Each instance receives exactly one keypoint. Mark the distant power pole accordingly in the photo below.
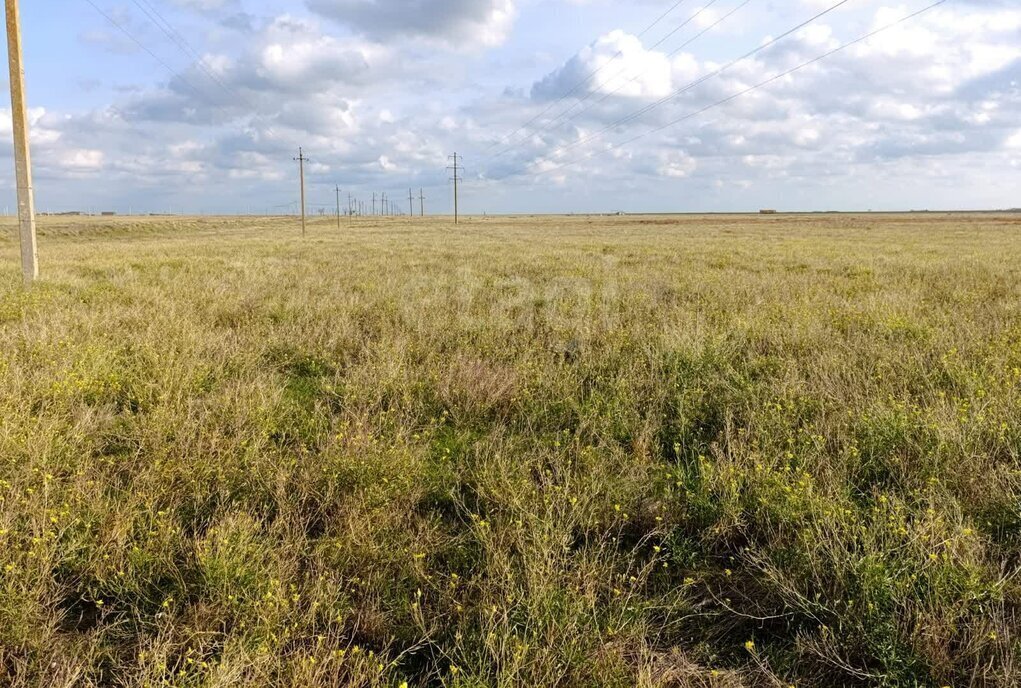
(373, 203)
(456, 168)
(350, 208)
(22, 156)
(411, 204)
(301, 167)
(421, 203)
(382, 204)
(338, 207)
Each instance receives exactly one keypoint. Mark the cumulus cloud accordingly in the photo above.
(615, 63)
(286, 61)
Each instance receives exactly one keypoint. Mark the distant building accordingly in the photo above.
(767, 211)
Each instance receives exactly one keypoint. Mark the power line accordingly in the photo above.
(143, 46)
(164, 25)
(660, 18)
(175, 36)
(269, 129)
(655, 45)
(182, 44)
(750, 89)
(585, 80)
(701, 80)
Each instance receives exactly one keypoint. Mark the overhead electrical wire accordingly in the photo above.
(173, 72)
(673, 52)
(749, 89)
(181, 42)
(704, 78)
(584, 81)
(618, 54)
(555, 122)
(157, 19)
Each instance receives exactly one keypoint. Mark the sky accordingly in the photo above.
(555, 105)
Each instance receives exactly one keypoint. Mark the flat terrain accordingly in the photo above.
(628, 451)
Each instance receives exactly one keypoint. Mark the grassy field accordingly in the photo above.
(661, 451)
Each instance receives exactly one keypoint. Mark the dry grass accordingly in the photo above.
(697, 451)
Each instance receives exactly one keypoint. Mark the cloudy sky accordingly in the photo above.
(556, 105)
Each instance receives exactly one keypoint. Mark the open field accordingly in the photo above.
(694, 451)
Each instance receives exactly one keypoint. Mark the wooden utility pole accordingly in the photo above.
(421, 203)
(456, 168)
(301, 167)
(22, 155)
(338, 206)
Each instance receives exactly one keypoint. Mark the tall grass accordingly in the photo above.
(714, 451)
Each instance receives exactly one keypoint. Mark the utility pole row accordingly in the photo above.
(355, 206)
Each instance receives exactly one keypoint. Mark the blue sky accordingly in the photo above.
(379, 92)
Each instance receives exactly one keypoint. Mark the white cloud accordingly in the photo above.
(81, 159)
(616, 63)
(676, 164)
